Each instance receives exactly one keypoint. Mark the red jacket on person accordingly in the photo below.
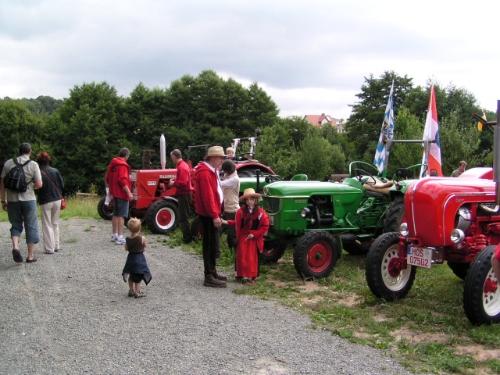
(207, 198)
(117, 177)
(182, 181)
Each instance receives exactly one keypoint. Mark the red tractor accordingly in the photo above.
(154, 199)
(452, 220)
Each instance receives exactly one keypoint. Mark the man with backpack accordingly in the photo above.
(18, 199)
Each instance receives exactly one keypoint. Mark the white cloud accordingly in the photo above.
(311, 57)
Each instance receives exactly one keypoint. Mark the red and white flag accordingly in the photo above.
(432, 154)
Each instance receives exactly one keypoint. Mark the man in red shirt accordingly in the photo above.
(118, 181)
(208, 202)
(182, 184)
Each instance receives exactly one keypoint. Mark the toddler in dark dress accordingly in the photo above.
(136, 268)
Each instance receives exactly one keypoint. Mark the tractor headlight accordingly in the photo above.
(403, 229)
(305, 212)
(457, 236)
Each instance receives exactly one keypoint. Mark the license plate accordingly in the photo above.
(419, 256)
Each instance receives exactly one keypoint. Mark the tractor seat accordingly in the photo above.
(379, 189)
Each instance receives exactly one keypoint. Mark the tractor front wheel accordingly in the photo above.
(481, 291)
(105, 212)
(162, 217)
(384, 274)
(316, 254)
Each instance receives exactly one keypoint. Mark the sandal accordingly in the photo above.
(33, 260)
(16, 254)
(140, 294)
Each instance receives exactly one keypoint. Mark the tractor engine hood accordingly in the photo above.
(431, 205)
(307, 188)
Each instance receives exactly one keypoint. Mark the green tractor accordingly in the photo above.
(319, 219)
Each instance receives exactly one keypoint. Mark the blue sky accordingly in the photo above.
(311, 56)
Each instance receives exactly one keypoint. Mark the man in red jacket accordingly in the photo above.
(118, 180)
(182, 184)
(208, 203)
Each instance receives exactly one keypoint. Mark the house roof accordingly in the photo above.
(319, 120)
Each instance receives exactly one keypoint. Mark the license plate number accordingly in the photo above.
(419, 256)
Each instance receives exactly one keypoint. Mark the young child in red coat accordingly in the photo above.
(252, 224)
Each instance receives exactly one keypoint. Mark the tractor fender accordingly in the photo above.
(172, 199)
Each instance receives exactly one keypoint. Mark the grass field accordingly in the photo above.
(426, 332)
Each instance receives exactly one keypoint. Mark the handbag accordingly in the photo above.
(63, 201)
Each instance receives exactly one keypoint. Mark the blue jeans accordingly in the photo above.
(23, 215)
(120, 207)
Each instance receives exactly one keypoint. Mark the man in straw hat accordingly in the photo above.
(208, 204)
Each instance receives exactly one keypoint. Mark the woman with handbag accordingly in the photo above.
(50, 200)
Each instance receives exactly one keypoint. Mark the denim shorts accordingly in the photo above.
(22, 215)
(120, 207)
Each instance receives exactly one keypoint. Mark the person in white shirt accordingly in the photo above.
(231, 191)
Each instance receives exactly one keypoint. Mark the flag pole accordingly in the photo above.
(386, 134)
(496, 155)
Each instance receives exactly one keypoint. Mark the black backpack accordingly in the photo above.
(16, 179)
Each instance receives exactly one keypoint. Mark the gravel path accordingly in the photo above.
(69, 313)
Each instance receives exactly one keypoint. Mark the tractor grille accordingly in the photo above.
(271, 205)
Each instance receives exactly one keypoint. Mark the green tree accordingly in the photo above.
(17, 125)
(449, 100)
(276, 148)
(90, 133)
(459, 143)
(363, 126)
(319, 158)
(402, 155)
(201, 104)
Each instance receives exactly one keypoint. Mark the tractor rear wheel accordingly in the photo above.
(162, 217)
(481, 291)
(394, 215)
(316, 254)
(105, 212)
(358, 247)
(273, 251)
(385, 279)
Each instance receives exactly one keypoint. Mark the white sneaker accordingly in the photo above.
(120, 241)
(114, 238)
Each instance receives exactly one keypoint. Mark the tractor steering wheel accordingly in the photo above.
(360, 177)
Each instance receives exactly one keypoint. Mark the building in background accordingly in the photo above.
(320, 120)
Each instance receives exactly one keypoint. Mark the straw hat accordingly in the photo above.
(249, 193)
(215, 151)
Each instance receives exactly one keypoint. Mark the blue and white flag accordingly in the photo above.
(386, 133)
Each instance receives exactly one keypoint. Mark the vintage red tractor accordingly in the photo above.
(154, 199)
(452, 220)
